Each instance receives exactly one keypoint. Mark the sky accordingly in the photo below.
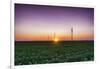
(44, 22)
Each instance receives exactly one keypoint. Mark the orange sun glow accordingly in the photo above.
(56, 39)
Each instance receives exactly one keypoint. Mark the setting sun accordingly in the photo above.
(56, 39)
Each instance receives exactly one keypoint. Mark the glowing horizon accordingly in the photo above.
(37, 22)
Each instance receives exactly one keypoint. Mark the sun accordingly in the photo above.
(56, 39)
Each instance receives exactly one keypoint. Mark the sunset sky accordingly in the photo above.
(38, 22)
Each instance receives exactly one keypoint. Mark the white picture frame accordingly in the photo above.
(45, 66)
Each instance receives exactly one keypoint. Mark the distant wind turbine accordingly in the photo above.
(72, 33)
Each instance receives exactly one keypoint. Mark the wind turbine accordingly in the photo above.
(72, 33)
(55, 38)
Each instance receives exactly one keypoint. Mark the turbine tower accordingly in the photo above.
(72, 33)
(54, 35)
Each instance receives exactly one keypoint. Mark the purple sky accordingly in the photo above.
(35, 20)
